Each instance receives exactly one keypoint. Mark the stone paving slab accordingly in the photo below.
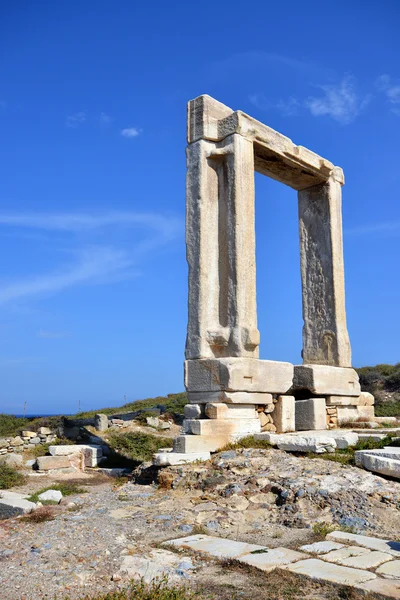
(337, 556)
(318, 569)
(391, 570)
(388, 546)
(371, 560)
(384, 587)
(269, 560)
(321, 547)
(218, 547)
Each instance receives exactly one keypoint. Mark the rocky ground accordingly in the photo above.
(111, 533)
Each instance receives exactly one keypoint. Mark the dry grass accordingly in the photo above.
(44, 513)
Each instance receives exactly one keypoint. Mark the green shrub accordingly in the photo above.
(158, 589)
(10, 425)
(10, 477)
(138, 446)
(389, 409)
(246, 442)
(174, 404)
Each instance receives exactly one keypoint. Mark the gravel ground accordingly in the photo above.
(266, 497)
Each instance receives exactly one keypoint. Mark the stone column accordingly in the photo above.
(325, 336)
(220, 242)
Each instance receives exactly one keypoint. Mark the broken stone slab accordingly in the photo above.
(299, 442)
(218, 547)
(269, 559)
(101, 422)
(326, 380)
(321, 547)
(386, 419)
(365, 541)
(13, 504)
(92, 453)
(238, 374)
(44, 431)
(337, 556)
(220, 410)
(193, 411)
(184, 444)
(50, 495)
(353, 413)
(390, 570)
(371, 560)
(222, 426)
(48, 463)
(385, 463)
(284, 414)
(164, 459)
(320, 570)
(310, 414)
(231, 398)
(383, 587)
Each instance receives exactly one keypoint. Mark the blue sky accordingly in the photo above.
(93, 281)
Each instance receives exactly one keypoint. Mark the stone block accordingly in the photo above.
(284, 414)
(218, 547)
(184, 444)
(326, 380)
(17, 441)
(35, 440)
(307, 442)
(238, 375)
(29, 434)
(13, 504)
(260, 399)
(342, 401)
(390, 570)
(4, 443)
(353, 413)
(366, 399)
(383, 587)
(164, 459)
(230, 411)
(321, 547)
(48, 463)
(227, 427)
(12, 460)
(385, 461)
(320, 570)
(310, 414)
(101, 422)
(92, 453)
(390, 547)
(193, 411)
(274, 557)
(44, 431)
(52, 495)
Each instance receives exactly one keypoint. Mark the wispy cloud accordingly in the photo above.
(106, 119)
(339, 101)
(52, 335)
(374, 228)
(130, 132)
(76, 119)
(391, 90)
(93, 265)
(77, 222)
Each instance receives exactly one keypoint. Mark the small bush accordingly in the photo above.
(322, 529)
(158, 589)
(10, 477)
(44, 513)
(389, 409)
(138, 446)
(246, 442)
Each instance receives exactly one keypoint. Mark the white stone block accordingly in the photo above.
(326, 380)
(218, 547)
(228, 427)
(164, 459)
(13, 504)
(321, 547)
(318, 569)
(383, 587)
(272, 558)
(238, 374)
(353, 413)
(310, 414)
(342, 401)
(366, 399)
(300, 442)
(384, 463)
(230, 411)
(193, 411)
(390, 569)
(226, 397)
(366, 541)
(53, 495)
(284, 414)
